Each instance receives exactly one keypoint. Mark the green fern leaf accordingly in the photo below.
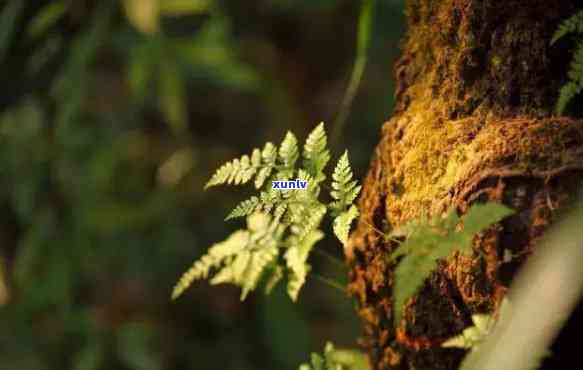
(567, 93)
(480, 217)
(473, 335)
(268, 157)
(573, 24)
(428, 242)
(575, 84)
(342, 224)
(305, 218)
(274, 277)
(344, 190)
(246, 269)
(336, 359)
(260, 260)
(295, 257)
(245, 208)
(215, 256)
(238, 171)
(288, 153)
(576, 67)
(316, 156)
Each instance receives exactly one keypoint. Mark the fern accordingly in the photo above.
(336, 359)
(431, 240)
(268, 157)
(342, 223)
(315, 153)
(345, 190)
(288, 153)
(215, 256)
(574, 24)
(473, 335)
(282, 225)
(575, 84)
(245, 208)
(296, 257)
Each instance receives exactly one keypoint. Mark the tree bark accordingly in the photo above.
(476, 86)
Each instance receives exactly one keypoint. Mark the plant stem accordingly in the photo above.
(334, 260)
(331, 283)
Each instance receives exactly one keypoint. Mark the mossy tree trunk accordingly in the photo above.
(477, 83)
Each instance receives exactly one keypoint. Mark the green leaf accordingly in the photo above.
(215, 256)
(268, 157)
(288, 153)
(316, 156)
(244, 208)
(473, 335)
(342, 224)
(238, 171)
(296, 257)
(336, 359)
(275, 276)
(574, 24)
(431, 240)
(344, 191)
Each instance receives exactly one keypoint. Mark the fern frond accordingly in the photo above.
(576, 67)
(336, 359)
(306, 218)
(430, 241)
(245, 208)
(574, 24)
(316, 156)
(269, 199)
(268, 158)
(275, 276)
(295, 257)
(288, 154)
(215, 256)
(473, 335)
(344, 190)
(238, 171)
(247, 267)
(342, 224)
(575, 85)
(567, 93)
(260, 260)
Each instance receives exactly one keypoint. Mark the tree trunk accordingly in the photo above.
(476, 87)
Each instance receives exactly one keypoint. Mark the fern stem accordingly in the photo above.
(384, 235)
(334, 260)
(331, 283)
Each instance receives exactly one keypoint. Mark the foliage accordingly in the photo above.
(573, 25)
(280, 222)
(336, 359)
(473, 335)
(427, 241)
(107, 129)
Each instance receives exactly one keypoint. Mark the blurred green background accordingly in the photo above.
(113, 115)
